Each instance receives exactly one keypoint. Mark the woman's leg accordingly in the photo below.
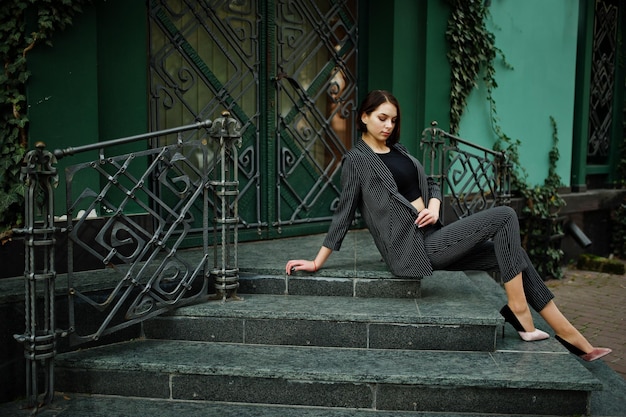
(457, 242)
(563, 328)
(483, 258)
(571, 338)
(516, 300)
(490, 241)
(523, 289)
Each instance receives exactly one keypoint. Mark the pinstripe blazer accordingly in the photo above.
(368, 185)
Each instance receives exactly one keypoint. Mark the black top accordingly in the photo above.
(404, 173)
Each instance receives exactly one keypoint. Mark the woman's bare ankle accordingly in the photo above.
(523, 314)
(575, 338)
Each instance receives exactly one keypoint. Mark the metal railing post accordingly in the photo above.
(433, 157)
(226, 131)
(39, 338)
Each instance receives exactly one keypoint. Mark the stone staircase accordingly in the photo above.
(292, 346)
(350, 340)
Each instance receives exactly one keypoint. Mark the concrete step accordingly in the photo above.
(452, 315)
(363, 284)
(77, 405)
(357, 270)
(402, 380)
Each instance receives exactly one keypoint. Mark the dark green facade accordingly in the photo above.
(94, 84)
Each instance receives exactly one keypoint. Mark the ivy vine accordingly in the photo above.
(540, 225)
(472, 55)
(472, 52)
(24, 24)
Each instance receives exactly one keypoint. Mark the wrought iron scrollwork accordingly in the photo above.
(475, 178)
(316, 91)
(141, 231)
(205, 56)
(604, 62)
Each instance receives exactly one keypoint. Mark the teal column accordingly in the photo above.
(437, 73)
(122, 54)
(408, 68)
(379, 45)
(406, 53)
(581, 102)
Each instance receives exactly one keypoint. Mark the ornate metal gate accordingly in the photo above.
(316, 100)
(603, 82)
(284, 68)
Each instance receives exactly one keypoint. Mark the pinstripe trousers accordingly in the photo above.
(487, 241)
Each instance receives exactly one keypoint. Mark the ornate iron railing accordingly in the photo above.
(149, 275)
(473, 177)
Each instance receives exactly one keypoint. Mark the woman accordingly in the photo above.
(400, 205)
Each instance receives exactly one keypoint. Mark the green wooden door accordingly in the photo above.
(287, 71)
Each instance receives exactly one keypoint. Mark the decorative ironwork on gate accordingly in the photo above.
(603, 63)
(474, 178)
(316, 90)
(287, 70)
(204, 57)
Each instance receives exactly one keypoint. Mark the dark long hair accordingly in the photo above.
(372, 100)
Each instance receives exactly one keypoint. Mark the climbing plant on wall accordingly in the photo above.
(472, 55)
(24, 24)
(540, 225)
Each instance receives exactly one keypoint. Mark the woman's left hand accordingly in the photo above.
(300, 265)
(426, 217)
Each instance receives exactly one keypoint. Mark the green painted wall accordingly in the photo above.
(406, 54)
(407, 67)
(122, 69)
(539, 39)
(436, 101)
(91, 85)
(581, 106)
(379, 46)
(62, 95)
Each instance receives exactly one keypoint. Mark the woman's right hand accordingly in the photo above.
(300, 265)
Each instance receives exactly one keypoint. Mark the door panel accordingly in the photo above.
(204, 59)
(316, 100)
(294, 93)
